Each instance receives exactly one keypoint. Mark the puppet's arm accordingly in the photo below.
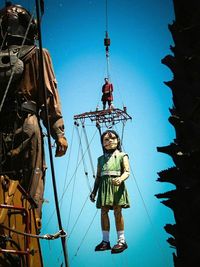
(126, 172)
(96, 185)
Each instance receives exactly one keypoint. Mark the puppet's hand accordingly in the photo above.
(62, 146)
(117, 181)
(92, 197)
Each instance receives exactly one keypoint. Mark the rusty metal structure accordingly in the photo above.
(18, 223)
(107, 118)
(184, 200)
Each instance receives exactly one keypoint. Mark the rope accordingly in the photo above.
(82, 240)
(71, 179)
(144, 204)
(64, 187)
(84, 163)
(4, 38)
(122, 136)
(6, 33)
(70, 150)
(72, 195)
(89, 151)
(12, 72)
(60, 233)
(146, 210)
(44, 90)
(108, 66)
(107, 48)
(106, 15)
(78, 217)
(148, 215)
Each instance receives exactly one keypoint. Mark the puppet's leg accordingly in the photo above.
(105, 226)
(119, 222)
(105, 222)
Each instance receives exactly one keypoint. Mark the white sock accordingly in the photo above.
(120, 235)
(105, 236)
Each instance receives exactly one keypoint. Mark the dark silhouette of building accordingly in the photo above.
(184, 62)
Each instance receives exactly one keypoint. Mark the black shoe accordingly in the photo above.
(119, 247)
(103, 246)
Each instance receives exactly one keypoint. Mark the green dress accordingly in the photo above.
(110, 166)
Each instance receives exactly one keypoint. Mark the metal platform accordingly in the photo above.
(107, 117)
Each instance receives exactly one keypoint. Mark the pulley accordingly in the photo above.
(107, 43)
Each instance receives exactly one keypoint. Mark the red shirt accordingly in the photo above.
(107, 90)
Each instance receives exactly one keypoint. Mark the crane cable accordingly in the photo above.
(107, 43)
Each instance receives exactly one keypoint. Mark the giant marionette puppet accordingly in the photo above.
(22, 103)
(112, 171)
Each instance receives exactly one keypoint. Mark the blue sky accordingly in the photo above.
(73, 32)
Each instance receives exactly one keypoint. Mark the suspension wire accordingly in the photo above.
(60, 233)
(107, 42)
(84, 163)
(6, 33)
(149, 217)
(73, 187)
(89, 151)
(107, 49)
(82, 240)
(69, 157)
(122, 135)
(100, 132)
(118, 91)
(146, 210)
(107, 15)
(71, 178)
(63, 239)
(69, 235)
(12, 71)
(4, 37)
(108, 66)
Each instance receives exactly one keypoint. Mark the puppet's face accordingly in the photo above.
(110, 141)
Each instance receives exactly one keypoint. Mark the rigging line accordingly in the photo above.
(122, 133)
(69, 157)
(108, 66)
(122, 136)
(100, 89)
(147, 212)
(41, 70)
(84, 163)
(6, 33)
(149, 217)
(89, 151)
(12, 72)
(60, 233)
(82, 240)
(118, 91)
(78, 165)
(4, 38)
(69, 235)
(70, 180)
(73, 187)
